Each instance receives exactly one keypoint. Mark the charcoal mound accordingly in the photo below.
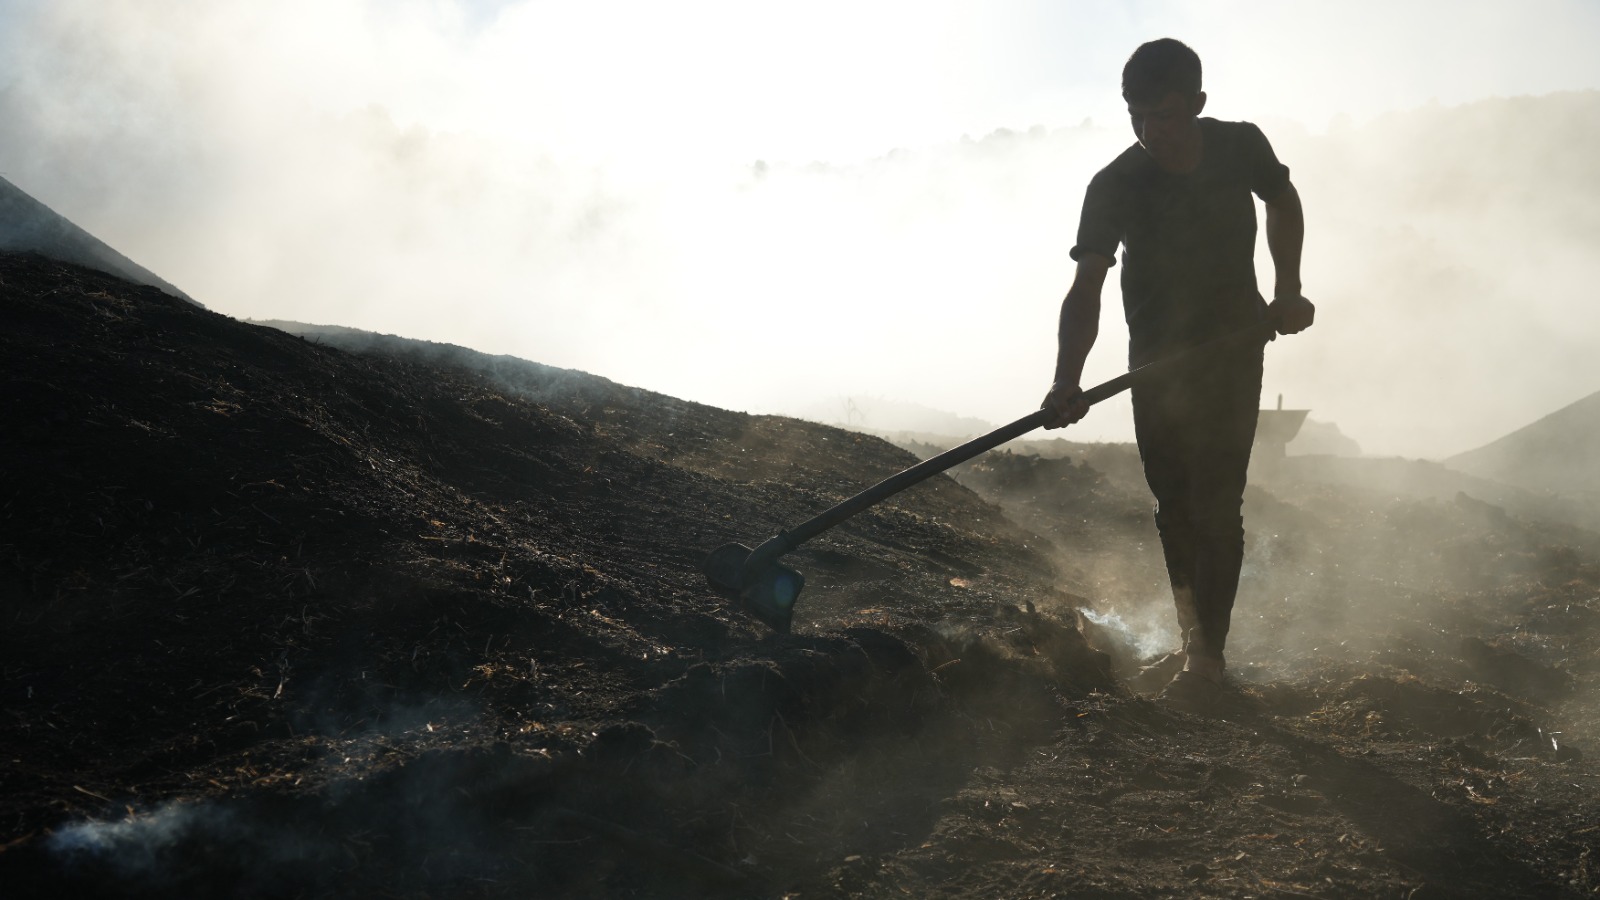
(332, 614)
(290, 620)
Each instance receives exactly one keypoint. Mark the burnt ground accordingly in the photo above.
(288, 620)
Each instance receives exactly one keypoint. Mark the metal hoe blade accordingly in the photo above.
(767, 591)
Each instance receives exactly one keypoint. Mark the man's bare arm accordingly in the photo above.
(1286, 233)
(1079, 326)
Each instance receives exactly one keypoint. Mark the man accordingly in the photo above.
(1179, 202)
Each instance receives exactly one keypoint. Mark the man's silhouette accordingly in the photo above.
(1179, 202)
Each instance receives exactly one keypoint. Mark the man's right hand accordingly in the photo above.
(1294, 313)
(1067, 402)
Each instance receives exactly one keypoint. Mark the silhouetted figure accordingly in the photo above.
(1179, 203)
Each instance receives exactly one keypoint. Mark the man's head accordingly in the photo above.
(1159, 68)
(1161, 83)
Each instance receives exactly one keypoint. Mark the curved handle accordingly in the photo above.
(894, 484)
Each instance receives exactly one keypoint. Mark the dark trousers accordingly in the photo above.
(1194, 431)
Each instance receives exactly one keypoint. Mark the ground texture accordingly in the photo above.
(290, 619)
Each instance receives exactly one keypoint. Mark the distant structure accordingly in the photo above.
(26, 225)
(1322, 439)
(1275, 428)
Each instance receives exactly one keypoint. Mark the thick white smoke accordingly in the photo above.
(708, 200)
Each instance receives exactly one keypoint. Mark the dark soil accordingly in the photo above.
(290, 619)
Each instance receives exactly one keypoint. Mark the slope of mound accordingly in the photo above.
(289, 620)
(26, 225)
(1558, 453)
(285, 620)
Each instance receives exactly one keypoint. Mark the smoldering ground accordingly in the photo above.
(293, 544)
(406, 713)
(1341, 573)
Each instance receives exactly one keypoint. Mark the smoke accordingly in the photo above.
(133, 843)
(707, 200)
(1148, 629)
(398, 792)
(161, 847)
(1444, 269)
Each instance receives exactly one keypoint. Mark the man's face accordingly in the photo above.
(1164, 129)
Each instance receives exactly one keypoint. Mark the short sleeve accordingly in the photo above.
(1098, 227)
(1268, 177)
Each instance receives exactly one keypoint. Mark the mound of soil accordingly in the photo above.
(1554, 454)
(291, 619)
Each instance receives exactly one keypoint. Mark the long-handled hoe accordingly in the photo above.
(767, 589)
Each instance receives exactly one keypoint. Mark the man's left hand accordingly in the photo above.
(1294, 313)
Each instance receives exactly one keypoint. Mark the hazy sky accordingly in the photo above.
(765, 206)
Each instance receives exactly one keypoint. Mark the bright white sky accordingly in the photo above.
(577, 183)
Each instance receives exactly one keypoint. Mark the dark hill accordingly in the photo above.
(1559, 453)
(351, 595)
(392, 618)
(26, 225)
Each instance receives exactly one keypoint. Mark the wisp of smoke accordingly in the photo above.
(197, 848)
(136, 846)
(1148, 630)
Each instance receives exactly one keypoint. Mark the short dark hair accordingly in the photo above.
(1159, 68)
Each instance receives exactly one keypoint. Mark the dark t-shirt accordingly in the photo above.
(1189, 240)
